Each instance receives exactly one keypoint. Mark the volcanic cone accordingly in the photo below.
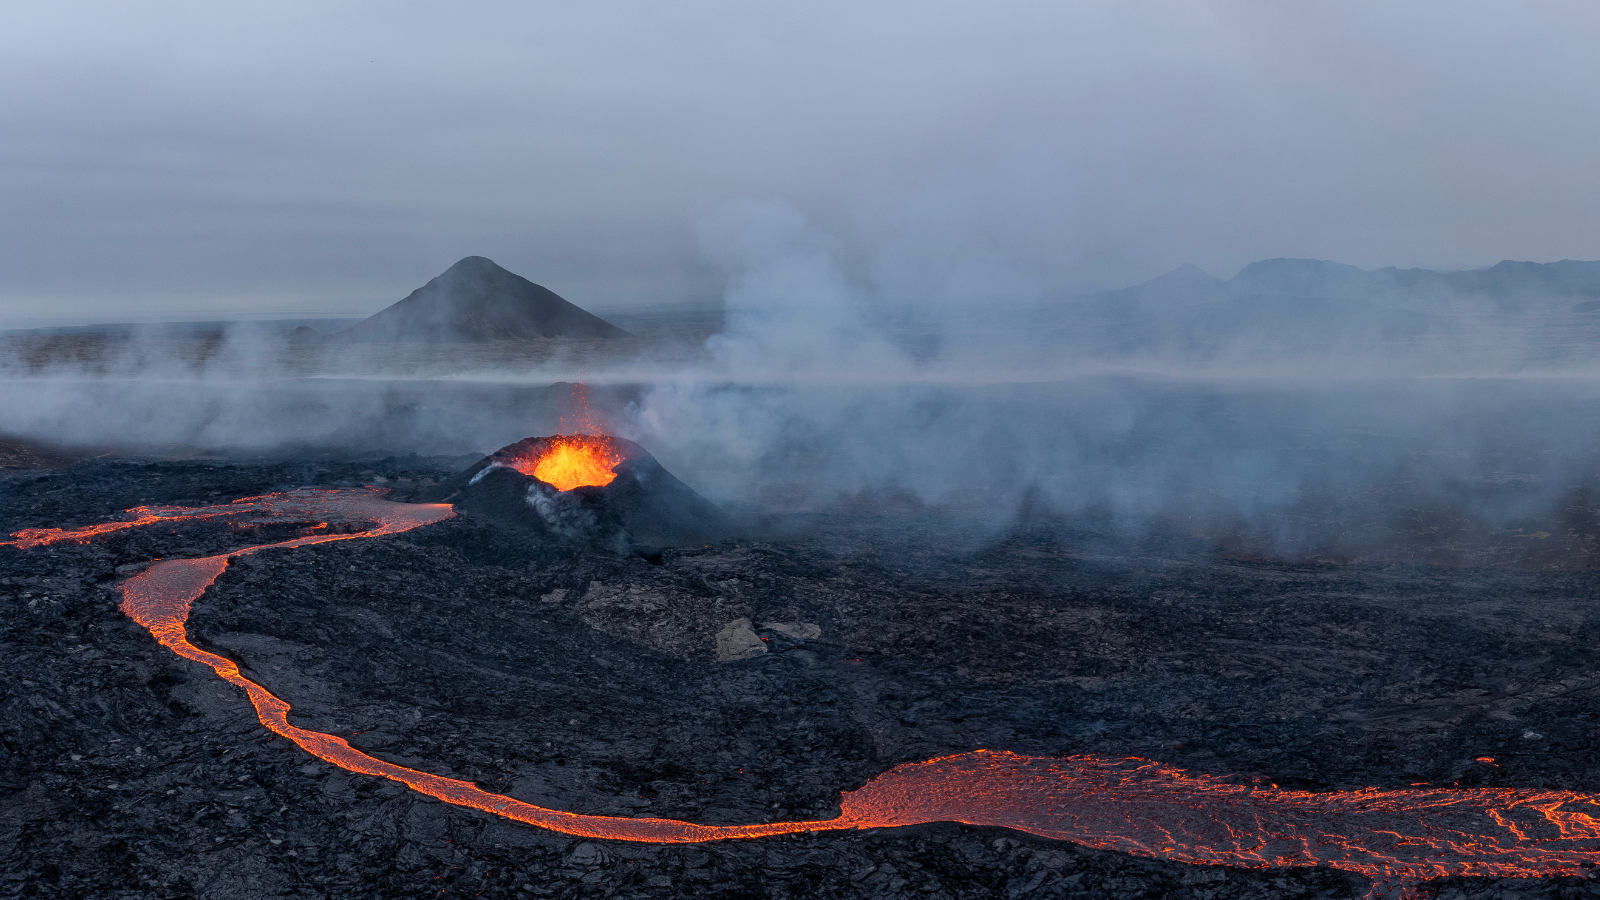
(588, 488)
(475, 301)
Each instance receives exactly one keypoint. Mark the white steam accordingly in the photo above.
(922, 372)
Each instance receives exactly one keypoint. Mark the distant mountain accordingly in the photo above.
(1293, 307)
(1506, 287)
(476, 301)
(1295, 277)
(1187, 285)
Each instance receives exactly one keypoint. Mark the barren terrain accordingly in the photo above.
(593, 682)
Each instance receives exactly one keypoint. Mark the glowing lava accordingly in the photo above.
(583, 458)
(567, 461)
(264, 510)
(1397, 838)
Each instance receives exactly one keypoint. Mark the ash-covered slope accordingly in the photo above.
(476, 301)
(644, 507)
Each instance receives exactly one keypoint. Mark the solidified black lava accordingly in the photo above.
(645, 508)
(591, 681)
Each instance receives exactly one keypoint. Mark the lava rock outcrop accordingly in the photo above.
(643, 509)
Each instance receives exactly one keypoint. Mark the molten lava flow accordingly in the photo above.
(569, 461)
(1397, 838)
(263, 510)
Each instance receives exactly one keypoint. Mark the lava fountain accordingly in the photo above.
(1397, 838)
(586, 457)
(566, 461)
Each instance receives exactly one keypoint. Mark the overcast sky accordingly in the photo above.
(197, 160)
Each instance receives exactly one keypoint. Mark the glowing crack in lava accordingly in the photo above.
(1397, 838)
(567, 461)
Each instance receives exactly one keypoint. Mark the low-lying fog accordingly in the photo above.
(1278, 405)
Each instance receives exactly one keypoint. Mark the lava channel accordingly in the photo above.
(303, 505)
(1396, 838)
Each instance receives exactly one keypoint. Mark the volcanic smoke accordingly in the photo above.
(1397, 838)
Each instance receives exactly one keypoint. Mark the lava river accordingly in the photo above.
(1397, 838)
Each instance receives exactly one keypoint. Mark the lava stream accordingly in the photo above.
(300, 505)
(1397, 838)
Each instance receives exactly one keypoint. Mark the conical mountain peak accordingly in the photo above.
(475, 301)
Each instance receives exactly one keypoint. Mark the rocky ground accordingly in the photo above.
(744, 681)
(24, 455)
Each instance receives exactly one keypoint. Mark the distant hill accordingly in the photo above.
(476, 301)
(1278, 307)
(1506, 287)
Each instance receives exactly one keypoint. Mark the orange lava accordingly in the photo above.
(572, 460)
(1397, 838)
(582, 419)
(261, 510)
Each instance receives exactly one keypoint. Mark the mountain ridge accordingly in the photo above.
(1514, 313)
(1508, 283)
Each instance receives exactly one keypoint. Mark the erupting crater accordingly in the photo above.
(565, 461)
(592, 488)
(1397, 838)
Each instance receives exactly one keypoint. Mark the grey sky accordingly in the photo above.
(174, 160)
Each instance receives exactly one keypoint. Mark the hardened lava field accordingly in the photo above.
(740, 682)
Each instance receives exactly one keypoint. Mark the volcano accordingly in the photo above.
(477, 301)
(589, 488)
